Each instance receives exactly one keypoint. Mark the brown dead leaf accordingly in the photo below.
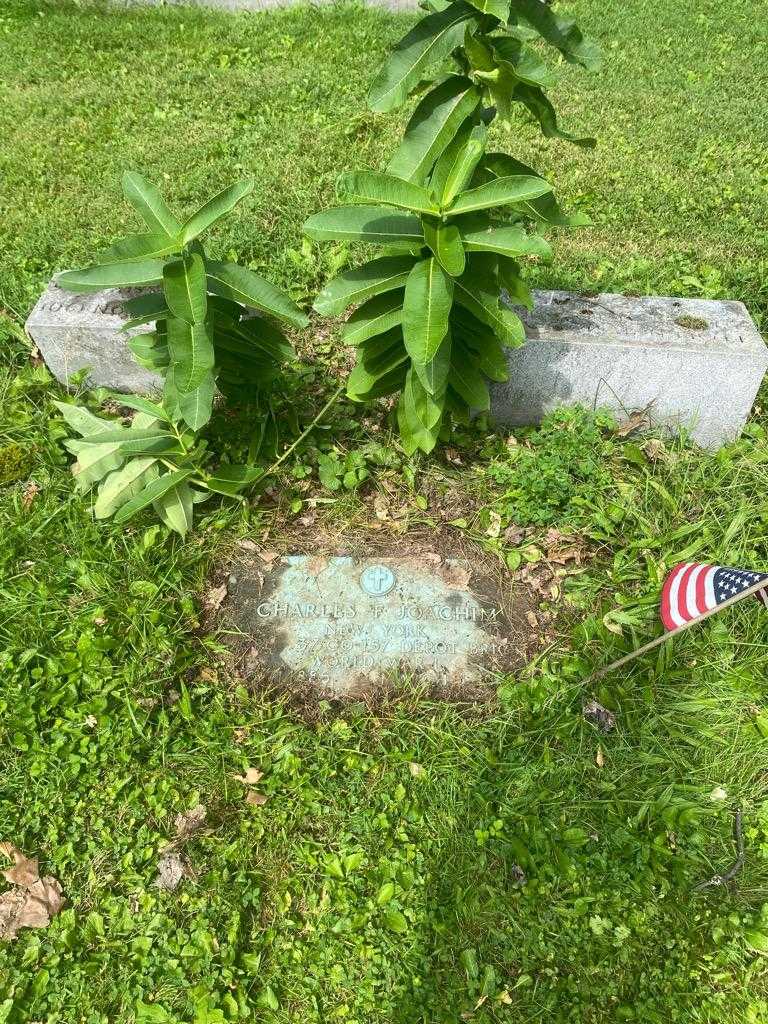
(255, 799)
(595, 713)
(214, 599)
(248, 545)
(31, 491)
(381, 508)
(251, 777)
(533, 622)
(268, 557)
(655, 450)
(190, 822)
(494, 525)
(25, 871)
(635, 420)
(170, 870)
(513, 535)
(32, 901)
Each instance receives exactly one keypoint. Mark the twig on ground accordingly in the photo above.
(737, 865)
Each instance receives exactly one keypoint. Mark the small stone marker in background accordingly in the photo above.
(342, 624)
(691, 363)
(77, 331)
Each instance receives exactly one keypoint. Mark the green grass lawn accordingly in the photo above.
(380, 882)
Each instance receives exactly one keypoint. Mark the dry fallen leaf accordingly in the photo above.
(655, 450)
(634, 421)
(31, 491)
(254, 798)
(170, 871)
(595, 713)
(381, 508)
(533, 622)
(32, 901)
(190, 822)
(494, 525)
(25, 870)
(513, 535)
(268, 557)
(251, 777)
(248, 545)
(600, 758)
(91, 721)
(214, 599)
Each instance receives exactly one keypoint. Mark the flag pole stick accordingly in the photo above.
(761, 585)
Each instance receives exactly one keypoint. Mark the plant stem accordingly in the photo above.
(288, 451)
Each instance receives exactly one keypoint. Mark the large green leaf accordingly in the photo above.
(507, 241)
(145, 198)
(375, 316)
(152, 492)
(467, 380)
(141, 405)
(196, 406)
(481, 341)
(361, 283)
(123, 484)
(232, 478)
(433, 125)
(511, 280)
(368, 372)
(116, 275)
(544, 208)
(192, 353)
(457, 164)
(376, 187)
(265, 337)
(151, 350)
(500, 192)
(215, 209)
(434, 374)
(562, 33)
(523, 63)
(364, 224)
(139, 247)
(498, 8)
(478, 291)
(537, 103)
(144, 309)
(241, 285)
(419, 416)
(430, 41)
(426, 309)
(135, 441)
(387, 385)
(185, 288)
(94, 461)
(445, 242)
(82, 420)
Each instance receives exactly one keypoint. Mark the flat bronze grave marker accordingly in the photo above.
(342, 623)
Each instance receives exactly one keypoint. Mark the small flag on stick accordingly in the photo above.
(693, 589)
(692, 592)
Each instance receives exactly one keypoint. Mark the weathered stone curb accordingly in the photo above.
(690, 363)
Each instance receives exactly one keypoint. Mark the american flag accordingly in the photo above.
(693, 588)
